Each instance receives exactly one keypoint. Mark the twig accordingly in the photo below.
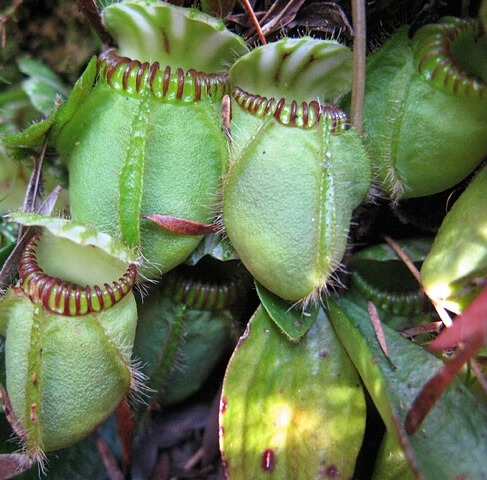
(250, 11)
(359, 54)
(379, 332)
(478, 373)
(442, 313)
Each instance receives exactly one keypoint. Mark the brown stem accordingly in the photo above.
(250, 11)
(359, 54)
(92, 12)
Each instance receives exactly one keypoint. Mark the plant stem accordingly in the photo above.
(359, 54)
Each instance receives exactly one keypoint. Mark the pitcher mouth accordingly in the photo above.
(435, 60)
(66, 298)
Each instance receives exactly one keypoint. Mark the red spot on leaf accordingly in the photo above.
(225, 468)
(268, 460)
(223, 405)
(332, 471)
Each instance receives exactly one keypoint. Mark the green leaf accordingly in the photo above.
(391, 463)
(452, 272)
(43, 85)
(290, 410)
(451, 442)
(294, 322)
(216, 246)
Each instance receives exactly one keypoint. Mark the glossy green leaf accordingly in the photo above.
(391, 463)
(294, 322)
(451, 443)
(452, 271)
(290, 410)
